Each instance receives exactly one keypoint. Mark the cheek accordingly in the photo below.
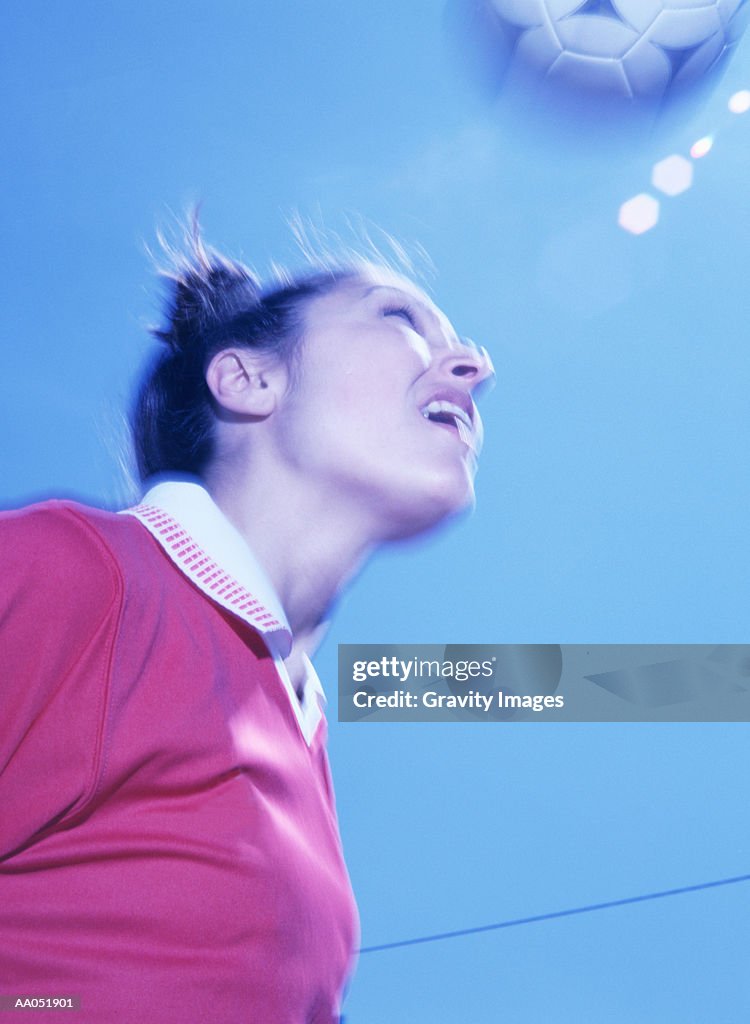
(367, 397)
(339, 417)
(358, 398)
(421, 352)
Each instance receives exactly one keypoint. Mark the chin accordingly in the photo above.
(432, 507)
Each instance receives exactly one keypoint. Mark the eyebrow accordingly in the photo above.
(401, 291)
(387, 288)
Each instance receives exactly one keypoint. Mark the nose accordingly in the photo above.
(469, 362)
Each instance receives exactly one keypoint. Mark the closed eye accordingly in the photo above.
(405, 312)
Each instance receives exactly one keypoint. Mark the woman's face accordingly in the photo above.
(382, 415)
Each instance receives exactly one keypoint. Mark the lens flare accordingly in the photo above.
(739, 102)
(672, 175)
(639, 214)
(701, 147)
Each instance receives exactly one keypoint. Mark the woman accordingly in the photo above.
(168, 839)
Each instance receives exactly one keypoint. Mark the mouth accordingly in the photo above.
(450, 416)
(446, 413)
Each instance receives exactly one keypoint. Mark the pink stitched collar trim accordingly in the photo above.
(198, 566)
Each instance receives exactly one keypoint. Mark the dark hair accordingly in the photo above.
(213, 302)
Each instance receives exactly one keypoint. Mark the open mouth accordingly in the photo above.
(448, 414)
(452, 417)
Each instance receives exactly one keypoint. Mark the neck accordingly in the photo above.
(309, 546)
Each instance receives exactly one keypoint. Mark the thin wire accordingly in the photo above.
(588, 909)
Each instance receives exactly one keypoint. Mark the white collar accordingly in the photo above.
(182, 516)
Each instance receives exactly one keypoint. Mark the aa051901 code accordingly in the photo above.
(27, 1002)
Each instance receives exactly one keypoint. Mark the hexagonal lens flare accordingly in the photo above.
(672, 175)
(639, 214)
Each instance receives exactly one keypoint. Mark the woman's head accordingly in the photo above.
(349, 380)
(213, 303)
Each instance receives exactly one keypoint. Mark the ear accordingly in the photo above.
(246, 383)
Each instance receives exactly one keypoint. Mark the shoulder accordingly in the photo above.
(60, 605)
(58, 547)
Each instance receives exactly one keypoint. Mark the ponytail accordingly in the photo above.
(213, 303)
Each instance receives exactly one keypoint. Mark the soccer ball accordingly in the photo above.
(632, 50)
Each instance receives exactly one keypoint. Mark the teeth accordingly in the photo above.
(447, 407)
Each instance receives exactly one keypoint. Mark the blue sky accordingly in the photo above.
(613, 492)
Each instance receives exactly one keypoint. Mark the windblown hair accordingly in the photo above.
(213, 303)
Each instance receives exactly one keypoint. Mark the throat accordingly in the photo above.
(297, 670)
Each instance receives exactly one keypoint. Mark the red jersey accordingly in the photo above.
(169, 850)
